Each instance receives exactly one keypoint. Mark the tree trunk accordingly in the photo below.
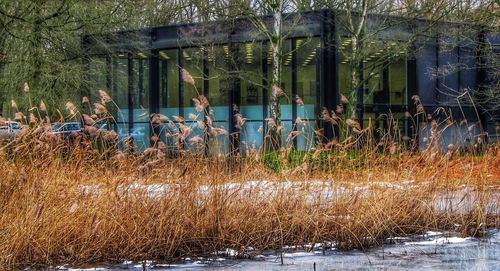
(276, 46)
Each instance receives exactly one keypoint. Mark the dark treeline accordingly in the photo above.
(40, 40)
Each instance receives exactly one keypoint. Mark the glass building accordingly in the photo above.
(231, 64)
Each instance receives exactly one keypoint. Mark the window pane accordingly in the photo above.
(286, 85)
(286, 79)
(374, 89)
(397, 82)
(344, 78)
(393, 125)
(122, 130)
(140, 100)
(169, 82)
(120, 87)
(219, 87)
(219, 83)
(193, 64)
(140, 89)
(97, 75)
(249, 69)
(140, 134)
(378, 122)
(307, 54)
(344, 50)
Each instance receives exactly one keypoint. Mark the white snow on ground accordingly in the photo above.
(325, 187)
(438, 238)
(440, 241)
(460, 201)
(300, 254)
(81, 269)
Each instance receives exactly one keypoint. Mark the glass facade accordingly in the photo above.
(192, 61)
(384, 84)
(140, 101)
(374, 87)
(306, 66)
(397, 83)
(231, 64)
(249, 61)
(125, 77)
(219, 89)
(169, 82)
(98, 70)
(286, 86)
(169, 72)
(120, 95)
(240, 75)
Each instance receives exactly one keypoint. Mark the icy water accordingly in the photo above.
(432, 251)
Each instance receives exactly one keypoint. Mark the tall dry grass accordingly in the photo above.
(82, 211)
(82, 200)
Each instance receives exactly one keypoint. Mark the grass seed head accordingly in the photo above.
(186, 77)
(105, 98)
(26, 87)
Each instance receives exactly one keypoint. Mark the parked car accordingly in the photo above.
(9, 130)
(66, 129)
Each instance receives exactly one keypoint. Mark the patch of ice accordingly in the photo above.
(300, 254)
(142, 264)
(433, 233)
(440, 241)
(229, 252)
(84, 269)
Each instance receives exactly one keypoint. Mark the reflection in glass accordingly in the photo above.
(168, 61)
(374, 90)
(386, 125)
(97, 75)
(140, 100)
(123, 134)
(249, 69)
(286, 85)
(193, 64)
(192, 59)
(140, 89)
(169, 82)
(397, 82)
(307, 54)
(344, 51)
(120, 87)
(344, 78)
(219, 87)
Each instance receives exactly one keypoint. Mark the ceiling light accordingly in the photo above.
(164, 55)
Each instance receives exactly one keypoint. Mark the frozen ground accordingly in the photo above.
(433, 251)
(459, 200)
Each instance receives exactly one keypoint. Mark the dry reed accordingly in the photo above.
(83, 200)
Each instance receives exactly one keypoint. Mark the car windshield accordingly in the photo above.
(66, 127)
(56, 127)
(15, 125)
(71, 127)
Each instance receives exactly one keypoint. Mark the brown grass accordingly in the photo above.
(69, 207)
(82, 201)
